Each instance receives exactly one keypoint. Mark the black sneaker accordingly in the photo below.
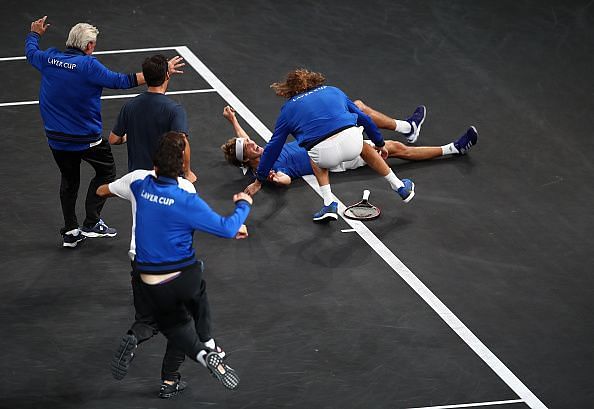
(99, 230)
(169, 391)
(123, 356)
(72, 238)
(220, 370)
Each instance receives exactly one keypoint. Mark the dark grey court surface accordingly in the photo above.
(313, 317)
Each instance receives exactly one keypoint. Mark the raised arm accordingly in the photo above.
(229, 114)
(32, 51)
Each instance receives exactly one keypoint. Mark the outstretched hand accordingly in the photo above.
(253, 188)
(174, 64)
(242, 196)
(39, 26)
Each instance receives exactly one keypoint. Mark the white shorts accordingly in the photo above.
(353, 163)
(346, 145)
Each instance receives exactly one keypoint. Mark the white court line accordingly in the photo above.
(473, 405)
(132, 50)
(444, 312)
(190, 91)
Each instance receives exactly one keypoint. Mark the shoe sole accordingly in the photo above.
(73, 245)
(326, 218)
(94, 235)
(414, 140)
(224, 373)
(119, 369)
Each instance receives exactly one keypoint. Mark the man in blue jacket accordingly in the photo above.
(166, 211)
(325, 122)
(70, 104)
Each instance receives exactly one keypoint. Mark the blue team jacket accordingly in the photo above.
(166, 217)
(70, 93)
(311, 117)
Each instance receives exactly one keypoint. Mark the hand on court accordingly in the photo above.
(242, 196)
(253, 188)
(174, 64)
(39, 26)
(242, 233)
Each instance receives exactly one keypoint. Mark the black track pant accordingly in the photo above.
(145, 327)
(181, 309)
(101, 159)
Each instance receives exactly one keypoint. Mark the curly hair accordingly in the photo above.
(228, 149)
(298, 81)
(169, 158)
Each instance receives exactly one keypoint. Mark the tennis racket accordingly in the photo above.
(362, 210)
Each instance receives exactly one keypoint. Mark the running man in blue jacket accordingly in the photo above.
(70, 104)
(166, 212)
(325, 122)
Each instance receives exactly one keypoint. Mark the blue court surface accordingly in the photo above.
(477, 293)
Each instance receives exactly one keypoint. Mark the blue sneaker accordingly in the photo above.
(72, 238)
(466, 141)
(407, 192)
(415, 121)
(99, 230)
(327, 213)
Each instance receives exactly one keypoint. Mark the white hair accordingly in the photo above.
(80, 35)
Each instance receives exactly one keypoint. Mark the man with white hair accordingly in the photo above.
(70, 103)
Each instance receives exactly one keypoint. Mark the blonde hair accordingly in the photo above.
(228, 149)
(81, 35)
(298, 81)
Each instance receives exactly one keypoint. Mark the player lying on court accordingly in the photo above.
(329, 126)
(166, 212)
(293, 161)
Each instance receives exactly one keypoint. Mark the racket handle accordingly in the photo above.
(366, 195)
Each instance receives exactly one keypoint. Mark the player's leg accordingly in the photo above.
(143, 328)
(69, 164)
(405, 187)
(343, 146)
(171, 383)
(170, 302)
(410, 127)
(402, 151)
(101, 159)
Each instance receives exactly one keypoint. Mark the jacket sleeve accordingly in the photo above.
(203, 218)
(365, 121)
(273, 148)
(98, 74)
(34, 55)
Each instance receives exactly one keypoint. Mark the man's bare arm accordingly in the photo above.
(229, 113)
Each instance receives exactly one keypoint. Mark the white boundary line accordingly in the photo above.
(444, 312)
(132, 50)
(190, 91)
(473, 405)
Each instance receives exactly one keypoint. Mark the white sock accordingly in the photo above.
(449, 149)
(201, 357)
(403, 126)
(393, 180)
(210, 344)
(326, 194)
